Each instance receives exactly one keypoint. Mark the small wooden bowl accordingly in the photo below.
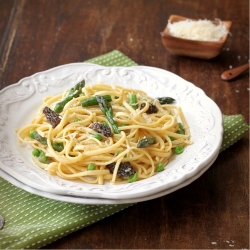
(193, 48)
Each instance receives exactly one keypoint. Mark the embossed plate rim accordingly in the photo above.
(100, 201)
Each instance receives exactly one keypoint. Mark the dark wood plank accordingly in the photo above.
(6, 7)
(211, 212)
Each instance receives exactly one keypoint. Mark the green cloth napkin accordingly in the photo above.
(32, 221)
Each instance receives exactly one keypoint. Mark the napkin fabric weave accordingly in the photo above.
(32, 221)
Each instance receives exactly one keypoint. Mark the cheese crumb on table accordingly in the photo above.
(201, 30)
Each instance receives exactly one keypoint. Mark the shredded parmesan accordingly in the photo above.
(201, 30)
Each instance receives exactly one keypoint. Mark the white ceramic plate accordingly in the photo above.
(19, 102)
(98, 201)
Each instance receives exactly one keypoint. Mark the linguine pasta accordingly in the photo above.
(80, 146)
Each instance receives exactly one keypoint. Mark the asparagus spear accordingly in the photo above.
(57, 146)
(92, 100)
(132, 99)
(73, 93)
(106, 108)
(43, 140)
(165, 100)
(40, 138)
(181, 129)
(146, 141)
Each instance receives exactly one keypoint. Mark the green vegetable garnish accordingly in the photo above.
(145, 142)
(133, 177)
(73, 93)
(181, 129)
(166, 100)
(39, 138)
(91, 166)
(42, 157)
(132, 100)
(159, 167)
(98, 136)
(106, 108)
(77, 120)
(105, 123)
(43, 140)
(32, 134)
(57, 146)
(93, 101)
(178, 149)
(36, 152)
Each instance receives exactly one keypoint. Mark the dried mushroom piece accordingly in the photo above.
(151, 109)
(101, 128)
(125, 169)
(53, 118)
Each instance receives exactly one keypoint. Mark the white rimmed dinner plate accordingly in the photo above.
(99, 201)
(20, 101)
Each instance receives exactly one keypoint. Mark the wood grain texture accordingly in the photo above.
(213, 211)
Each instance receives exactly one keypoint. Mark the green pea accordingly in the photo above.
(98, 136)
(36, 152)
(42, 157)
(133, 177)
(159, 167)
(179, 149)
(32, 134)
(105, 123)
(91, 166)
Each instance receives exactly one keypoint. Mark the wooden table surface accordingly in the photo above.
(213, 211)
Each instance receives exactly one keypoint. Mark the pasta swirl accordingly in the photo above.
(80, 146)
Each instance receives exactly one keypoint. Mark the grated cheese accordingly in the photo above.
(201, 30)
